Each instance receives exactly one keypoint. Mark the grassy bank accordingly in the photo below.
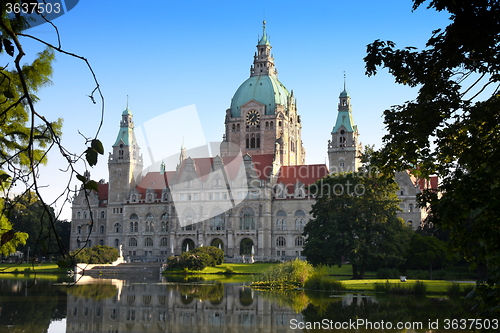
(29, 268)
(381, 285)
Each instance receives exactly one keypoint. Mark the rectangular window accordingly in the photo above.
(183, 197)
(217, 196)
(196, 197)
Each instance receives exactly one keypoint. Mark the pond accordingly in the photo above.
(195, 305)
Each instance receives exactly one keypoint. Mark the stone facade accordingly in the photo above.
(252, 200)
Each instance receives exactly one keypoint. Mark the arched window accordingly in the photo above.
(149, 216)
(299, 241)
(280, 241)
(132, 242)
(134, 217)
(101, 242)
(218, 222)
(90, 243)
(238, 127)
(247, 221)
(164, 216)
(410, 223)
(258, 140)
(84, 215)
(150, 197)
(103, 215)
(281, 220)
(118, 227)
(247, 141)
(136, 226)
(147, 227)
(131, 226)
(117, 243)
(163, 242)
(234, 127)
(151, 226)
(164, 226)
(410, 206)
(252, 142)
(148, 242)
(78, 215)
(300, 220)
(79, 229)
(102, 229)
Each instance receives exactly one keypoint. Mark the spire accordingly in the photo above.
(263, 62)
(264, 40)
(162, 168)
(182, 156)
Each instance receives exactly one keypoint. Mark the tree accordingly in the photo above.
(354, 217)
(25, 135)
(452, 129)
(28, 215)
(425, 252)
(99, 254)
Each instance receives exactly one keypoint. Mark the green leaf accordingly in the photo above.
(8, 93)
(97, 145)
(91, 156)
(8, 47)
(81, 178)
(91, 185)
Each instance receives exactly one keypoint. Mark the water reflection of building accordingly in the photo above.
(152, 307)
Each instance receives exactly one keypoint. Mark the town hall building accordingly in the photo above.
(251, 200)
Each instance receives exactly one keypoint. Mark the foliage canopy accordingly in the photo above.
(452, 129)
(354, 219)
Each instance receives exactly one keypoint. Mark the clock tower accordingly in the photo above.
(344, 149)
(263, 116)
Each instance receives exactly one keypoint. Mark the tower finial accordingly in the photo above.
(264, 29)
(127, 101)
(344, 80)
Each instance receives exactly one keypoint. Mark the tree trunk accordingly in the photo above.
(362, 271)
(430, 271)
(354, 271)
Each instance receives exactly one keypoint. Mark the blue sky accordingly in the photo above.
(166, 55)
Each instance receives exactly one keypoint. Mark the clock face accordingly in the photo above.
(253, 117)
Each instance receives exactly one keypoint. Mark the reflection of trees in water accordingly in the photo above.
(297, 300)
(95, 291)
(30, 309)
(391, 309)
(212, 292)
(246, 296)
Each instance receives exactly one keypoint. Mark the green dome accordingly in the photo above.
(265, 89)
(126, 112)
(344, 94)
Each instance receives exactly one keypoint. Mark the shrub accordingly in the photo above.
(197, 259)
(417, 274)
(388, 273)
(99, 254)
(229, 271)
(293, 272)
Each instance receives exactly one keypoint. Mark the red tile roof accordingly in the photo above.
(306, 174)
(102, 193)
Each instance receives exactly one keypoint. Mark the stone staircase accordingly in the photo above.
(134, 269)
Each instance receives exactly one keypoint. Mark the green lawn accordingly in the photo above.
(433, 286)
(256, 268)
(21, 268)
